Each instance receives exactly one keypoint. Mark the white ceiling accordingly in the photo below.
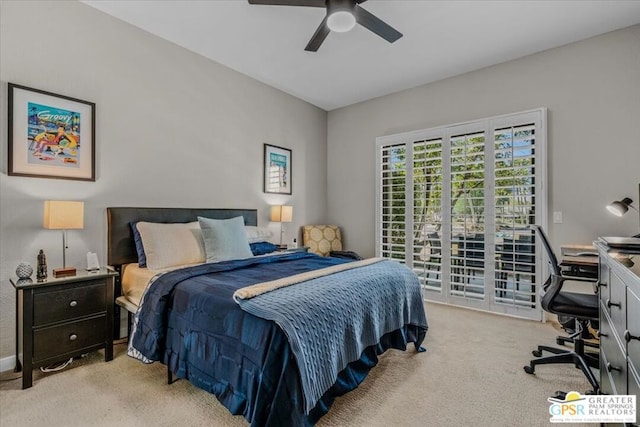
(441, 39)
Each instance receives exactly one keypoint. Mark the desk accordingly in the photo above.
(584, 267)
(577, 250)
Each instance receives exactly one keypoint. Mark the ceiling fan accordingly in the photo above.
(342, 16)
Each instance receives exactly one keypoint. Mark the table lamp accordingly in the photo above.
(281, 213)
(63, 215)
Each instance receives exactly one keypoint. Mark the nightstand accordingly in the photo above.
(299, 249)
(64, 317)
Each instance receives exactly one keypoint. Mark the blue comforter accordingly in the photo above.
(189, 321)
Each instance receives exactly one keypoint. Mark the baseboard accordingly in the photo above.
(7, 364)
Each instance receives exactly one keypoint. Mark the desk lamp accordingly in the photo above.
(281, 213)
(620, 207)
(63, 215)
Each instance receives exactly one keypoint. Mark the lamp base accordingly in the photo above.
(64, 272)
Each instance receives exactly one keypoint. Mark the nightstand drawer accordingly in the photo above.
(70, 303)
(69, 337)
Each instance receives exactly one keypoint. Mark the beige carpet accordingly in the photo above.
(471, 375)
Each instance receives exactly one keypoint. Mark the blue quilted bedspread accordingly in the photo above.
(189, 321)
(330, 320)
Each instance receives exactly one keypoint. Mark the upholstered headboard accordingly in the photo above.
(121, 248)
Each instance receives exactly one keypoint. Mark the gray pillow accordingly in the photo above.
(224, 239)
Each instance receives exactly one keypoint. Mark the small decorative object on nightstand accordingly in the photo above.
(62, 318)
(293, 244)
(24, 270)
(42, 266)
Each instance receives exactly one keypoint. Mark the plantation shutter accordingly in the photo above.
(515, 209)
(467, 214)
(393, 180)
(427, 212)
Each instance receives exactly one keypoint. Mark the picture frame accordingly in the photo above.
(277, 169)
(50, 135)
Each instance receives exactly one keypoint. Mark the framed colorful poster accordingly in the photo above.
(277, 169)
(50, 135)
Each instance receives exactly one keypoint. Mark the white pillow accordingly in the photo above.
(224, 239)
(257, 234)
(168, 245)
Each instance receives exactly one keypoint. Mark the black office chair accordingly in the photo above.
(582, 307)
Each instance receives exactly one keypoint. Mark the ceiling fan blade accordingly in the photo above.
(318, 37)
(376, 25)
(310, 3)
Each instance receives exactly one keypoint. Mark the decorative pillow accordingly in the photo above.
(142, 259)
(261, 248)
(172, 244)
(224, 239)
(322, 239)
(257, 234)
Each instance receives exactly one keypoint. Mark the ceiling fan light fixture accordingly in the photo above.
(341, 21)
(342, 16)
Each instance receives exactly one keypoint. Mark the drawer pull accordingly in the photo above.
(628, 337)
(73, 303)
(616, 304)
(601, 334)
(610, 368)
(73, 337)
(603, 285)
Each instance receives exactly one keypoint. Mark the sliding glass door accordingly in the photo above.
(454, 204)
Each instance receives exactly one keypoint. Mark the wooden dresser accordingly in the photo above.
(619, 289)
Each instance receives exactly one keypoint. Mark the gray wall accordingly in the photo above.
(592, 91)
(173, 129)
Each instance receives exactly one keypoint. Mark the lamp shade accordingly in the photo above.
(619, 207)
(281, 213)
(63, 215)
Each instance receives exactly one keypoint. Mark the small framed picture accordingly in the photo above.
(277, 169)
(50, 135)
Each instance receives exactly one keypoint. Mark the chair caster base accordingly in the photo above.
(537, 353)
(529, 370)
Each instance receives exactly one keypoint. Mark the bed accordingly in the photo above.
(275, 337)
